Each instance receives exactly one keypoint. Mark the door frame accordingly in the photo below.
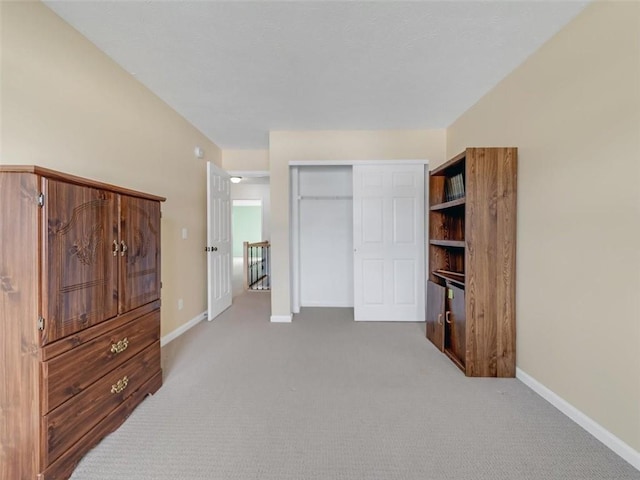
(294, 212)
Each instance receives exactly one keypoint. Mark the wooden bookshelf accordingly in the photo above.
(471, 295)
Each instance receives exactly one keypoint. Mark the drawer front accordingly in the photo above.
(70, 373)
(68, 423)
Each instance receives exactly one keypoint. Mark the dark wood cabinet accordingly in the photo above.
(79, 315)
(455, 325)
(435, 314)
(472, 253)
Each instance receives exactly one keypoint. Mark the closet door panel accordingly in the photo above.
(80, 225)
(388, 242)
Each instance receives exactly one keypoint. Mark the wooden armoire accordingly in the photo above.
(79, 316)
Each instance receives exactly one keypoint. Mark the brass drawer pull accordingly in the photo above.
(120, 385)
(121, 346)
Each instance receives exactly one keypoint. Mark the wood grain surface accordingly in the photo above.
(80, 271)
(477, 236)
(69, 374)
(140, 264)
(19, 336)
(435, 314)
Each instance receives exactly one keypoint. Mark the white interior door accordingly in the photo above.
(218, 241)
(388, 240)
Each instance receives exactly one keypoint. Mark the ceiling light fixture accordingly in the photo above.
(235, 179)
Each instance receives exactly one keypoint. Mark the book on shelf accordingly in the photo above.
(454, 187)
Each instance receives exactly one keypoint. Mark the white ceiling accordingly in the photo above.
(236, 70)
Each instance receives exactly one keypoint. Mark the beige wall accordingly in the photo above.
(573, 110)
(330, 145)
(245, 160)
(67, 106)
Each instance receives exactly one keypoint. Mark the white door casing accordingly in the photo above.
(218, 241)
(388, 240)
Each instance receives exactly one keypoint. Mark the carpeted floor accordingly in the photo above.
(326, 398)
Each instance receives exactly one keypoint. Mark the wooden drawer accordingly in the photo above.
(69, 422)
(70, 373)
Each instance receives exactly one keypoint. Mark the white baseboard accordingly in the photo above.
(594, 428)
(183, 328)
(281, 318)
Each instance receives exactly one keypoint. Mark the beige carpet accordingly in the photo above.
(327, 398)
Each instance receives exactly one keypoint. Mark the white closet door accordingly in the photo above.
(218, 241)
(388, 237)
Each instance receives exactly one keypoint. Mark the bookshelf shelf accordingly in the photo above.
(468, 324)
(447, 167)
(455, 278)
(443, 206)
(448, 243)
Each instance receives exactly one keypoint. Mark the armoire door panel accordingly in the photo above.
(80, 225)
(139, 252)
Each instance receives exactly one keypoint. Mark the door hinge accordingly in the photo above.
(160, 284)
(41, 199)
(40, 323)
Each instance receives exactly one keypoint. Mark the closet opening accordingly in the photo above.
(322, 210)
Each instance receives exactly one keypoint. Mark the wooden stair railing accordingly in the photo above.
(256, 265)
